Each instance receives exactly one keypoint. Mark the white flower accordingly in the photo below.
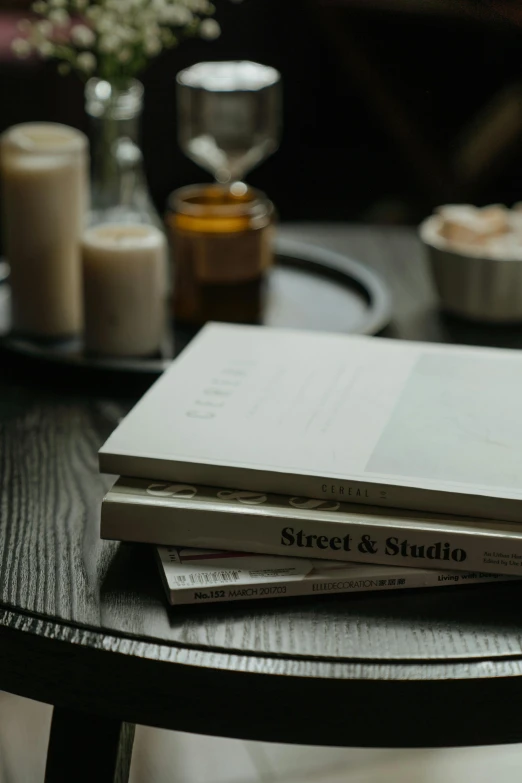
(129, 34)
(45, 49)
(59, 17)
(21, 47)
(123, 32)
(151, 31)
(176, 15)
(145, 17)
(44, 28)
(209, 29)
(83, 36)
(109, 44)
(86, 62)
(152, 46)
(106, 23)
(119, 7)
(198, 6)
(40, 7)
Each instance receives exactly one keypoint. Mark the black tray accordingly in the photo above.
(308, 288)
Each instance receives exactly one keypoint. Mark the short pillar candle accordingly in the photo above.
(125, 289)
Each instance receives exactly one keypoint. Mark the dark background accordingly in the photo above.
(391, 106)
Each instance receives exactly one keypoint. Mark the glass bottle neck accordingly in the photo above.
(128, 128)
(119, 101)
(118, 184)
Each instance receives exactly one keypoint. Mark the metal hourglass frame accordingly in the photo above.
(229, 116)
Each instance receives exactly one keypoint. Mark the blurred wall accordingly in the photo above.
(379, 104)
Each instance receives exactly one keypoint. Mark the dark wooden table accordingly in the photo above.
(84, 624)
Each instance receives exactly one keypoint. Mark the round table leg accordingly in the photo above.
(85, 747)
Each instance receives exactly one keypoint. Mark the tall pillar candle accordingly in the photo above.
(44, 174)
(125, 288)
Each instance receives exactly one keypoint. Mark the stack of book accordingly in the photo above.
(338, 463)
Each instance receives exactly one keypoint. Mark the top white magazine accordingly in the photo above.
(377, 421)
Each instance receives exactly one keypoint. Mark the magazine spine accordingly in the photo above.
(325, 586)
(386, 543)
(351, 490)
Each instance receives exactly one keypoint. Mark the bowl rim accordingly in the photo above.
(430, 237)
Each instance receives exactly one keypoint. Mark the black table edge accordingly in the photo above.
(314, 702)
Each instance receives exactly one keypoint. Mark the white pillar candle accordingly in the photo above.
(44, 169)
(125, 288)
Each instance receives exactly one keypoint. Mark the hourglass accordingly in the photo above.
(229, 116)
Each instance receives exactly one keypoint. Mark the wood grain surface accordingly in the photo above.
(67, 595)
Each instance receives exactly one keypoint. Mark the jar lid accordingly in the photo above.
(222, 203)
(220, 208)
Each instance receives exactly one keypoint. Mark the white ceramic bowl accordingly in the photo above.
(472, 285)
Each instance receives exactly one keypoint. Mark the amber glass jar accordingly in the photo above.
(222, 247)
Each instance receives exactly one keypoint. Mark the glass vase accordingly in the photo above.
(119, 191)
